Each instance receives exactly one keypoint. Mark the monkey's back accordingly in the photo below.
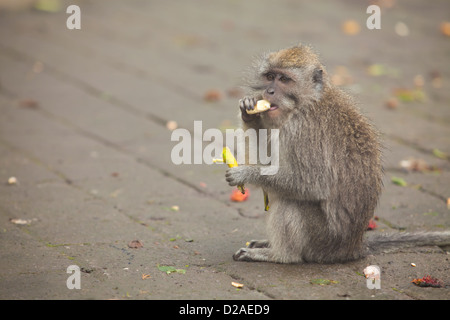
(340, 151)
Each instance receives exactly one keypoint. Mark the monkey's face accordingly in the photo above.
(288, 89)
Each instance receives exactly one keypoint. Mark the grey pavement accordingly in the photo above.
(83, 129)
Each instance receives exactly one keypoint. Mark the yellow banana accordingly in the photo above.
(230, 160)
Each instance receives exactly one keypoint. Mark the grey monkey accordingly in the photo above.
(330, 171)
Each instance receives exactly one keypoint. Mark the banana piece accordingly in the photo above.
(261, 106)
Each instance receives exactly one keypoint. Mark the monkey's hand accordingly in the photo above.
(237, 176)
(248, 103)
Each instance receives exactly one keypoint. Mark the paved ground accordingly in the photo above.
(83, 118)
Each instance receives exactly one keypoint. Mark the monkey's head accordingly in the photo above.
(289, 79)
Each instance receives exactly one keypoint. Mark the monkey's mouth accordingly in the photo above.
(273, 107)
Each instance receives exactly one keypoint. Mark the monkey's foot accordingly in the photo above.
(259, 244)
(252, 254)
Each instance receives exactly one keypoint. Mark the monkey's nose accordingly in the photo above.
(270, 91)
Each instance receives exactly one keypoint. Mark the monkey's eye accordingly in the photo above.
(285, 79)
(270, 76)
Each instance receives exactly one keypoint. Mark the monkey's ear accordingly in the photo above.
(318, 76)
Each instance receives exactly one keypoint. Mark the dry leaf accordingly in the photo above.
(376, 70)
(28, 103)
(135, 244)
(392, 103)
(212, 95)
(408, 95)
(20, 221)
(145, 276)
(351, 27)
(418, 165)
(237, 285)
(445, 28)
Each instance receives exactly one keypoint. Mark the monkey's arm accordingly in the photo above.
(280, 180)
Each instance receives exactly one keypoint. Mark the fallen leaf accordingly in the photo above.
(28, 103)
(399, 181)
(418, 165)
(48, 5)
(135, 244)
(115, 193)
(351, 27)
(145, 276)
(212, 95)
(445, 28)
(392, 103)
(20, 221)
(171, 269)
(323, 282)
(237, 285)
(238, 196)
(376, 70)
(448, 203)
(410, 95)
(441, 155)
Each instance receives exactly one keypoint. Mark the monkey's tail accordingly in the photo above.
(391, 242)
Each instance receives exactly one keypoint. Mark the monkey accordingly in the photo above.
(330, 173)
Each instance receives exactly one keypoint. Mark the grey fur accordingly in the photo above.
(330, 175)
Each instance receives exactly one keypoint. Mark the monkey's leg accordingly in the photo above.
(259, 244)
